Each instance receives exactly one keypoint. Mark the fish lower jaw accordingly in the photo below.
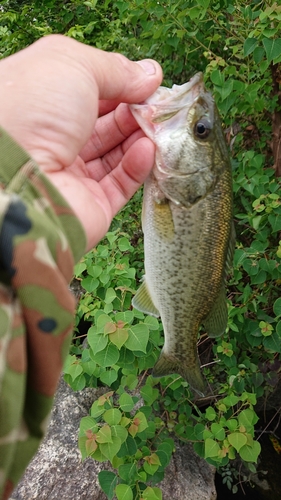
(169, 172)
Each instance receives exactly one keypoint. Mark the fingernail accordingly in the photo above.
(148, 66)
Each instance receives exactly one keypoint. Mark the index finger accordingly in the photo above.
(110, 130)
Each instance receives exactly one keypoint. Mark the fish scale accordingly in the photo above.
(187, 225)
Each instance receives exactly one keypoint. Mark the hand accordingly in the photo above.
(61, 101)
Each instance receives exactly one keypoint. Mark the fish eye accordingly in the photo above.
(202, 128)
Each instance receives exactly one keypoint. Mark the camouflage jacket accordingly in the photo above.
(40, 240)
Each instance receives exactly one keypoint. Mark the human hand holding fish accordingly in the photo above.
(187, 223)
(65, 103)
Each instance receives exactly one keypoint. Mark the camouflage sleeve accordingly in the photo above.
(40, 240)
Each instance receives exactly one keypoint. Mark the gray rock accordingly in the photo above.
(188, 477)
(57, 472)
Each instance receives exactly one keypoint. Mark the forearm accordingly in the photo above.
(40, 240)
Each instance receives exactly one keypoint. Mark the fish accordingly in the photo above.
(187, 222)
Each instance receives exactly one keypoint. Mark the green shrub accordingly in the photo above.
(135, 423)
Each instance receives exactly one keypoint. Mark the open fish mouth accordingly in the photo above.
(166, 113)
(178, 95)
(165, 102)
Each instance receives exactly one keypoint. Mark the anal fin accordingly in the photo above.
(216, 321)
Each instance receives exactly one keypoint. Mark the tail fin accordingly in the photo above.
(166, 365)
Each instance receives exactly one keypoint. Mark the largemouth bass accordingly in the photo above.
(187, 223)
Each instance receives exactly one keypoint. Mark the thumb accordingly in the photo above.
(116, 77)
(122, 80)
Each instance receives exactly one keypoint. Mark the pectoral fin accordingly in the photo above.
(216, 321)
(166, 365)
(163, 220)
(143, 301)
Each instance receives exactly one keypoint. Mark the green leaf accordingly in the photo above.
(218, 431)
(211, 448)
(128, 448)
(124, 245)
(142, 421)
(256, 221)
(194, 13)
(120, 432)
(110, 295)
(149, 394)
(108, 357)
(131, 381)
(90, 284)
(164, 457)
(128, 472)
(230, 400)
(108, 377)
(198, 431)
(112, 416)
(168, 446)
(150, 431)
(257, 379)
(211, 413)
(217, 78)
(124, 492)
(79, 268)
(79, 383)
(102, 321)
(258, 54)
(277, 307)
(138, 337)
(104, 277)
(150, 468)
(97, 341)
(91, 446)
(97, 409)
(119, 337)
(249, 46)
(250, 453)
(275, 221)
(109, 450)
(126, 402)
(75, 369)
(104, 435)
(94, 271)
(247, 418)
(126, 316)
(152, 493)
(272, 343)
(97, 455)
(266, 328)
(87, 423)
(259, 278)
(237, 440)
(152, 323)
(108, 481)
(199, 448)
(272, 48)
